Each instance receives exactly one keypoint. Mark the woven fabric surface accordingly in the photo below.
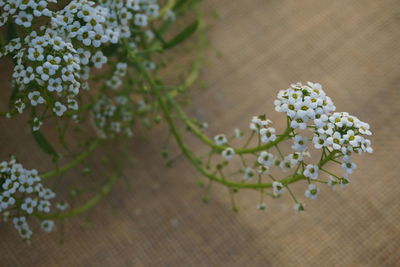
(256, 48)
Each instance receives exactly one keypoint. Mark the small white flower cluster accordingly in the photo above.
(123, 14)
(112, 116)
(53, 61)
(23, 12)
(344, 133)
(116, 80)
(260, 124)
(333, 131)
(338, 134)
(22, 194)
(47, 65)
(304, 103)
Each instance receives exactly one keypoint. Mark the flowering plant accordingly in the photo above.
(98, 63)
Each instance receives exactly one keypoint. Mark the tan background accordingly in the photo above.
(353, 49)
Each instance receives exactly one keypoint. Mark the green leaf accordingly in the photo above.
(182, 6)
(183, 35)
(179, 5)
(13, 97)
(44, 144)
(159, 37)
(11, 32)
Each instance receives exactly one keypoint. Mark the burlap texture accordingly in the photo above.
(256, 48)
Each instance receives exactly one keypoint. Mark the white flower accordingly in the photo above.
(326, 129)
(47, 194)
(115, 82)
(35, 98)
(57, 43)
(67, 75)
(298, 207)
(299, 143)
(124, 15)
(44, 206)
(228, 153)
(278, 188)
(352, 139)
(312, 191)
(19, 222)
(363, 128)
(24, 19)
(262, 169)
(72, 104)
(220, 139)
(99, 59)
(319, 141)
(22, 226)
(249, 173)
(28, 205)
(141, 20)
(348, 165)
(20, 105)
(121, 69)
(10, 186)
(266, 159)
(59, 109)
(311, 171)
(35, 53)
(55, 85)
(25, 232)
(47, 225)
(84, 55)
(295, 158)
(320, 120)
(36, 124)
(335, 141)
(259, 122)
(286, 164)
(267, 134)
(84, 73)
(62, 205)
(152, 10)
(45, 72)
(299, 122)
(26, 185)
(6, 200)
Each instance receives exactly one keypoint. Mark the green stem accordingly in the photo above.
(95, 199)
(88, 204)
(193, 127)
(196, 162)
(73, 163)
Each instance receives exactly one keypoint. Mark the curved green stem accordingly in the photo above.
(73, 163)
(193, 127)
(95, 199)
(196, 162)
(88, 204)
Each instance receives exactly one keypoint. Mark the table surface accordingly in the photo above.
(256, 48)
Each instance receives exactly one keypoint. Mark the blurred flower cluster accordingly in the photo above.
(22, 195)
(54, 60)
